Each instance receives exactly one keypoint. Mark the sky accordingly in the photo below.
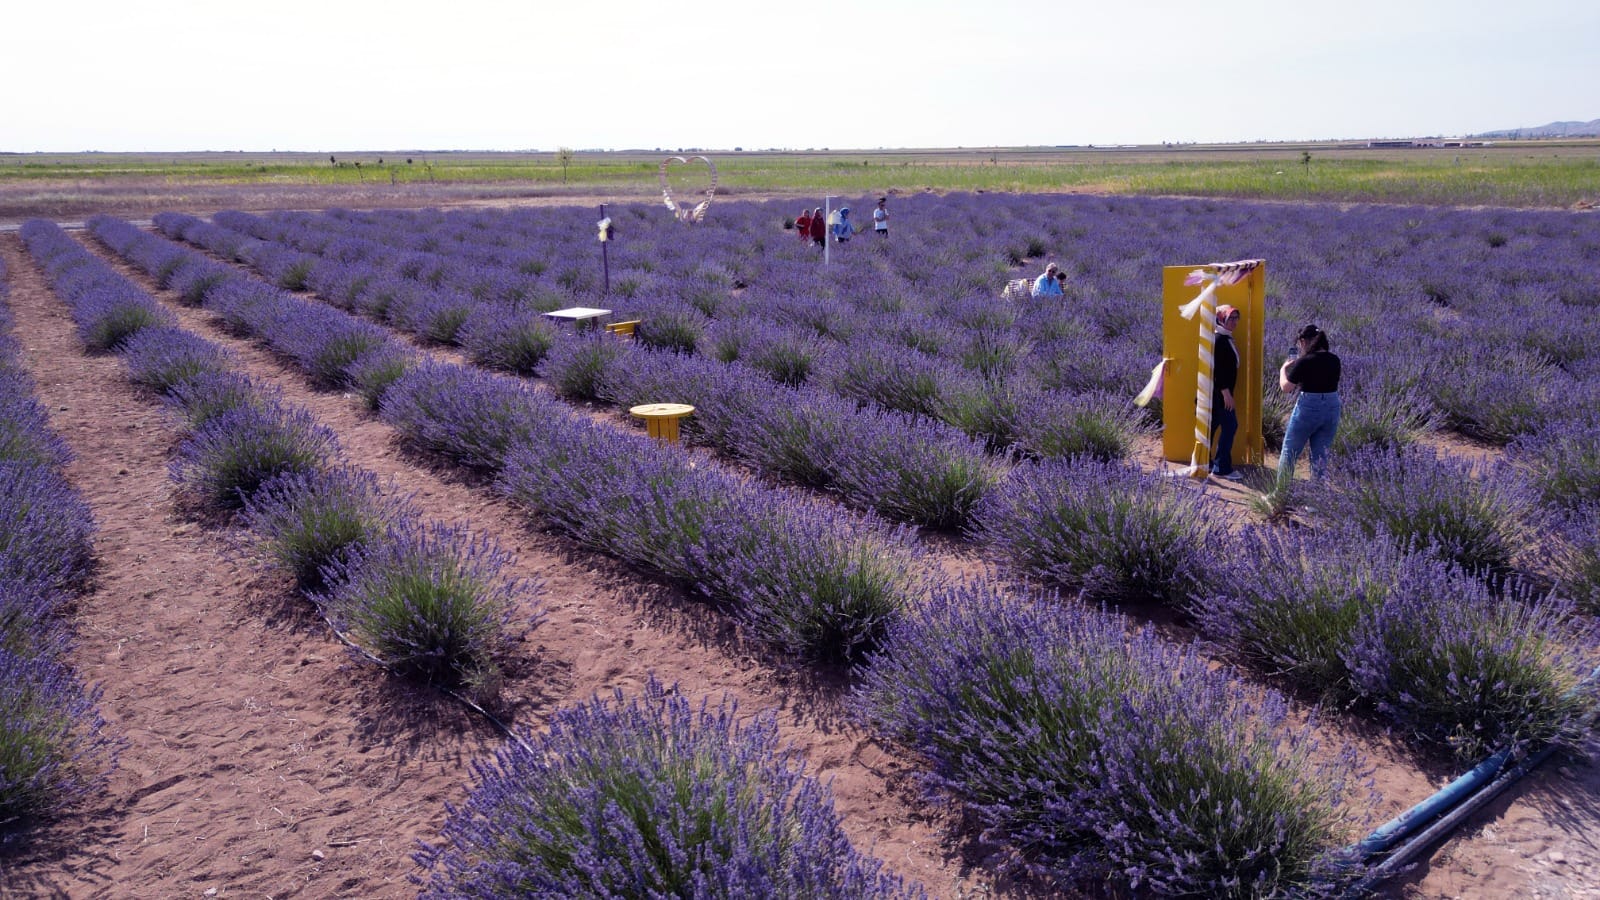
(330, 75)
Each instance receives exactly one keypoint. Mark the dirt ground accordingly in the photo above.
(263, 761)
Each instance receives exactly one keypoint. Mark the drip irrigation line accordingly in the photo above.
(1447, 823)
(1449, 807)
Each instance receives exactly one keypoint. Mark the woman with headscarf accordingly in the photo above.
(819, 227)
(1224, 379)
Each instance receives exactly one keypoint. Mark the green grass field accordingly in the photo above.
(1512, 173)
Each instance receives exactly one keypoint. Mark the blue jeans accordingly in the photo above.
(1222, 450)
(1315, 420)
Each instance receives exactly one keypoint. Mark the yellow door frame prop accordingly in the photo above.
(1188, 337)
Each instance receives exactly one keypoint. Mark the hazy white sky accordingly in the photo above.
(483, 74)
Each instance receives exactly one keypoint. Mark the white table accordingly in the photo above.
(579, 316)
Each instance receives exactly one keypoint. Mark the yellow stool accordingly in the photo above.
(623, 329)
(661, 419)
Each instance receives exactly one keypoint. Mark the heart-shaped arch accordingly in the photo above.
(698, 212)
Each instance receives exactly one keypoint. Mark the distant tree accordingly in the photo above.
(564, 154)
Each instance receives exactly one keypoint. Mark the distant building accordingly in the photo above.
(1423, 144)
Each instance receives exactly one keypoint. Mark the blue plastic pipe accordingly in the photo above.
(1445, 809)
(1397, 828)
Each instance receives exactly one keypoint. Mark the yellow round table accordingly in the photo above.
(661, 419)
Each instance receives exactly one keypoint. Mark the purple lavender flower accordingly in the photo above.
(652, 798)
(1104, 530)
(45, 527)
(207, 395)
(1477, 517)
(473, 417)
(227, 460)
(54, 747)
(164, 358)
(312, 521)
(1451, 662)
(25, 435)
(430, 600)
(1101, 754)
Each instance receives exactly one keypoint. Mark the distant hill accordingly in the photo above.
(1553, 130)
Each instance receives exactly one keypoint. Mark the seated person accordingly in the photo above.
(1048, 284)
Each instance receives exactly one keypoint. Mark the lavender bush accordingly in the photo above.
(1575, 557)
(1495, 393)
(1290, 601)
(208, 395)
(472, 417)
(821, 588)
(54, 747)
(674, 327)
(1451, 662)
(1100, 754)
(374, 372)
(163, 358)
(311, 521)
(1098, 425)
(650, 799)
(577, 369)
(1562, 460)
(229, 458)
(1477, 517)
(29, 610)
(25, 435)
(908, 468)
(1385, 405)
(431, 601)
(1103, 530)
(45, 527)
(505, 337)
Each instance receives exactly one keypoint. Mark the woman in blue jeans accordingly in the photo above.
(1314, 372)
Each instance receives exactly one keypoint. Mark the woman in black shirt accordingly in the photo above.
(1314, 371)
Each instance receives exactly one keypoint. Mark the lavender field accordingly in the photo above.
(853, 422)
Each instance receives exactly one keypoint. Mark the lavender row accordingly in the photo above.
(648, 504)
(55, 749)
(1109, 533)
(797, 574)
(355, 549)
(428, 599)
(1405, 270)
(499, 325)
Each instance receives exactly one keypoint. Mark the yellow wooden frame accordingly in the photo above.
(1180, 346)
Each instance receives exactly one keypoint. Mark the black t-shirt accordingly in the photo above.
(1316, 373)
